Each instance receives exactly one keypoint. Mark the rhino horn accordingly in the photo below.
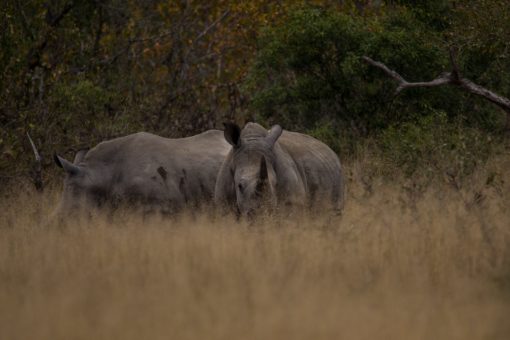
(69, 167)
(266, 178)
(232, 134)
(263, 169)
(274, 133)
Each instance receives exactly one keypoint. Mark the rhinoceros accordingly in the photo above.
(278, 168)
(145, 170)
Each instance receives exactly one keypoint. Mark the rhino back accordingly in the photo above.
(161, 168)
(318, 165)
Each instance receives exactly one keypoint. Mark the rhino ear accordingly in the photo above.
(232, 134)
(274, 134)
(80, 155)
(69, 167)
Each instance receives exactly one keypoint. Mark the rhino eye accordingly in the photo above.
(260, 187)
(240, 186)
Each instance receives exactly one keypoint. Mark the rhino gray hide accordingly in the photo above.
(280, 169)
(151, 172)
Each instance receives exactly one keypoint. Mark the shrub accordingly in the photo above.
(433, 146)
(308, 75)
(309, 70)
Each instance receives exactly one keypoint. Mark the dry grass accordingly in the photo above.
(438, 268)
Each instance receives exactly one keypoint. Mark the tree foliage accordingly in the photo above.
(78, 72)
(308, 72)
(74, 73)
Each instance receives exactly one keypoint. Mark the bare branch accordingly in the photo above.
(502, 102)
(452, 78)
(444, 78)
(386, 70)
(214, 23)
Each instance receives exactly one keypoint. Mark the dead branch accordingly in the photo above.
(212, 25)
(443, 78)
(453, 78)
(37, 173)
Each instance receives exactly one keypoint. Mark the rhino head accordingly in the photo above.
(253, 166)
(84, 186)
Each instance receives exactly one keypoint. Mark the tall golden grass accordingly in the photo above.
(394, 266)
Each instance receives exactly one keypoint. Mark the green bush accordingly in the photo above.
(309, 70)
(433, 146)
(309, 76)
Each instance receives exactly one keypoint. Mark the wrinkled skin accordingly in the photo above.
(145, 171)
(278, 169)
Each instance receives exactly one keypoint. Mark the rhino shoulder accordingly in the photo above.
(224, 190)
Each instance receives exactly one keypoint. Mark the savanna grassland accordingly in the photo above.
(422, 250)
(396, 265)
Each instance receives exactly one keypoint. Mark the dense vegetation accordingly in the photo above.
(78, 72)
